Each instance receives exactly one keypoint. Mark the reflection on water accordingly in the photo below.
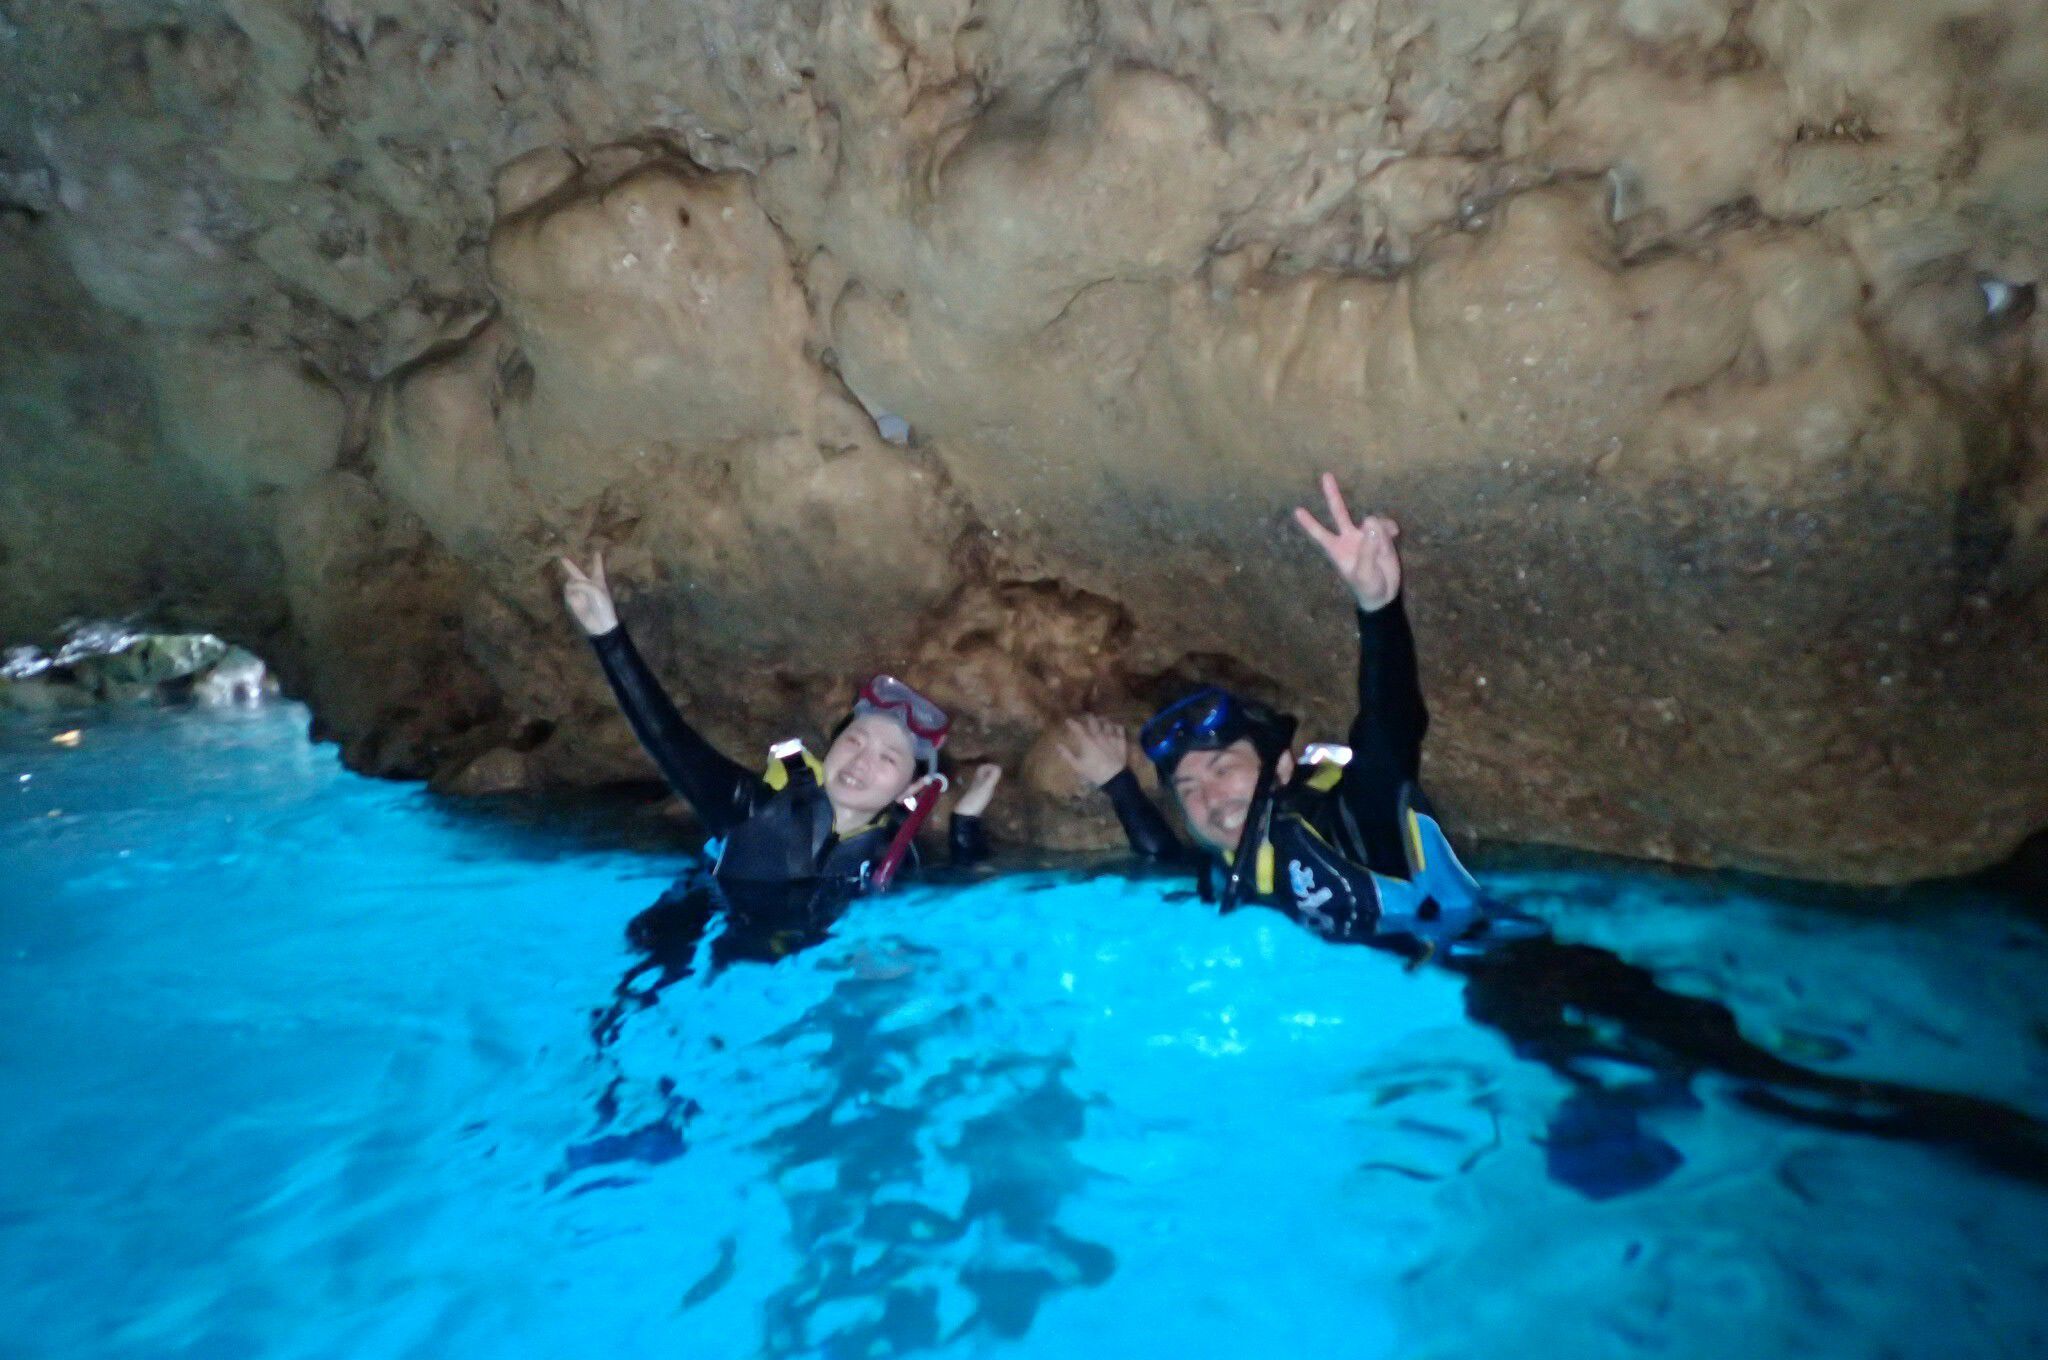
(858, 1163)
(857, 1157)
(299, 1065)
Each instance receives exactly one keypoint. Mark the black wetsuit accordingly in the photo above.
(783, 876)
(771, 832)
(1331, 832)
(1575, 1008)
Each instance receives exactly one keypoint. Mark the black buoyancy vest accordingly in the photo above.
(1308, 873)
(1318, 883)
(788, 838)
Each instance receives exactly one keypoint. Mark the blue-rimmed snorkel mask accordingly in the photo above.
(1209, 720)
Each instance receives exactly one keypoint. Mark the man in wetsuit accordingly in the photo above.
(1352, 852)
(1349, 850)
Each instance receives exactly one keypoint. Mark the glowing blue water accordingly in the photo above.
(299, 1064)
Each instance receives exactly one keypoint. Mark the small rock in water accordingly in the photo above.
(239, 677)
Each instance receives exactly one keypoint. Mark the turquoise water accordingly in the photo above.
(297, 1064)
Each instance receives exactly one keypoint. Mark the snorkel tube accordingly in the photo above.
(922, 804)
(1269, 739)
(1257, 822)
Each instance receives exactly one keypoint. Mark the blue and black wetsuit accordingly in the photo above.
(1338, 849)
(773, 829)
(1336, 832)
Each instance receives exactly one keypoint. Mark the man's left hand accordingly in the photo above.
(1363, 553)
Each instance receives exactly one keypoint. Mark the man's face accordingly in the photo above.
(870, 765)
(1214, 790)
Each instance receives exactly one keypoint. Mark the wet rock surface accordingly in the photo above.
(104, 663)
(1693, 343)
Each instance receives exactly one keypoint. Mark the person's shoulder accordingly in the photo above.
(1313, 798)
(1312, 788)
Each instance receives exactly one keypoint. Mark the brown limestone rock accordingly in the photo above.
(1694, 342)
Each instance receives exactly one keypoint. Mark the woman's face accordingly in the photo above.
(870, 765)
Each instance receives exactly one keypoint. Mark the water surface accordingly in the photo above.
(298, 1064)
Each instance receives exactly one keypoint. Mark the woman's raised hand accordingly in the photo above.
(1095, 747)
(981, 787)
(589, 596)
(1363, 553)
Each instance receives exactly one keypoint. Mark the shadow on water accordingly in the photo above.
(859, 1159)
(754, 924)
(864, 1234)
(885, 1269)
(1586, 1014)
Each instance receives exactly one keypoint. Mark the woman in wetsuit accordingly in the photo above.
(790, 848)
(841, 819)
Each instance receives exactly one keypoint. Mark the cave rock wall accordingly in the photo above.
(1692, 341)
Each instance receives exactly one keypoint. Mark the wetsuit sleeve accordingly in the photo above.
(1144, 825)
(1386, 736)
(720, 791)
(967, 839)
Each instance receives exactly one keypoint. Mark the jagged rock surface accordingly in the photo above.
(1692, 341)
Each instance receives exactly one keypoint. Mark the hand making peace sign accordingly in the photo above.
(589, 596)
(1363, 553)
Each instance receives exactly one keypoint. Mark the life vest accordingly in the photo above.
(789, 838)
(1319, 778)
(1325, 884)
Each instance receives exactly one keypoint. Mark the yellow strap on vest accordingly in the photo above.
(1326, 775)
(1262, 871)
(776, 776)
(1416, 857)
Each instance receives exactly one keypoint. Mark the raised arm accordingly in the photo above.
(1099, 753)
(1392, 718)
(1386, 735)
(719, 790)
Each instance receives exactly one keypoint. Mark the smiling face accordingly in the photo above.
(869, 766)
(1214, 790)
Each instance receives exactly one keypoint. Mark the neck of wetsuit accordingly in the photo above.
(847, 822)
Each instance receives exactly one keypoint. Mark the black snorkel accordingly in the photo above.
(1270, 739)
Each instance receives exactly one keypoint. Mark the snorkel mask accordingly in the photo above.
(924, 720)
(1209, 720)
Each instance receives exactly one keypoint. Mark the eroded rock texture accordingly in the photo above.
(1693, 342)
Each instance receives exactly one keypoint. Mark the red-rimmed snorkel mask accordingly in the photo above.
(926, 722)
